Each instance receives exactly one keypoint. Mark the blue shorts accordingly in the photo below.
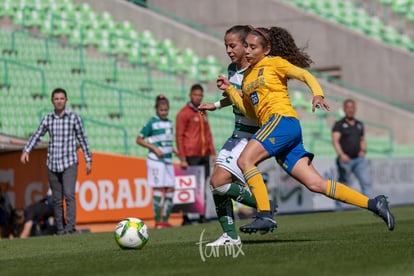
(282, 138)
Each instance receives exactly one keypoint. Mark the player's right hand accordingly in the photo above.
(159, 153)
(222, 82)
(24, 158)
(183, 165)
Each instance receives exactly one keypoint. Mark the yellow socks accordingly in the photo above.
(255, 181)
(341, 192)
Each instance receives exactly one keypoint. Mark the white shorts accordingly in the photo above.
(228, 155)
(160, 174)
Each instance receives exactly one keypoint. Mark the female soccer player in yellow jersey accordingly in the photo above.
(227, 181)
(274, 58)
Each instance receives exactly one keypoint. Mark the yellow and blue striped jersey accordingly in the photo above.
(265, 89)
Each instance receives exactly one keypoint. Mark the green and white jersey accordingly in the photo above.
(160, 134)
(243, 127)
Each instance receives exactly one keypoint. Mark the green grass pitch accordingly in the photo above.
(343, 243)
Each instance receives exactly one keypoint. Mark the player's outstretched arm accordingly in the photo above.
(217, 105)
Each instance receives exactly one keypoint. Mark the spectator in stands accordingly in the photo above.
(350, 145)
(35, 219)
(193, 137)
(159, 134)
(65, 128)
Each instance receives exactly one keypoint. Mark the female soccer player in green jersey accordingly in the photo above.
(157, 136)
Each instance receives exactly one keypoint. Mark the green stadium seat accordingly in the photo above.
(18, 17)
(32, 18)
(178, 64)
(410, 13)
(148, 37)
(400, 6)
(134, 54)
(298, 100)
(407, 42)
(120, 46)
(6, 9)
(91, 38)
(62, 25)
(106, 19)
(375, 28)
(85, 10)
(163, 63)
(391, 36)
(125, 28)
(46, 26)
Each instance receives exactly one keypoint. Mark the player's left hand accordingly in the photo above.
(88, 168)
(319, 102)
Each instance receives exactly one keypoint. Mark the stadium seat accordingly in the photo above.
(134, 54)
(391, 36)
(106, 19)
(375, 28)
(410, 14)
(298, 100)
(400, 6)
(91, 38)
(62, 25)
(178, 64)
(120, 46)
(32, 18)
(6, 9)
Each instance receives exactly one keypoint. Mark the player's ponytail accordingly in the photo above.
(161, 99)
(283, 45)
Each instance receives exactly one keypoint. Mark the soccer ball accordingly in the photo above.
(131, 233)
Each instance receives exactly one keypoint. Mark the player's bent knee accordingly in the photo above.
(316, 185)
(244, 164)
(214, 182)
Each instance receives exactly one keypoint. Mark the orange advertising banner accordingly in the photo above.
(116, 188)
(23, 184)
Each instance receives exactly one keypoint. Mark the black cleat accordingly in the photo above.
(384, 212)
(262, 224)
(273, 212)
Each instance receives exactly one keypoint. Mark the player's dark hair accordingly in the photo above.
(196, 86)
(348, 101)
(161, 99)
(240, 30)
(59, 90)
(282, 44)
